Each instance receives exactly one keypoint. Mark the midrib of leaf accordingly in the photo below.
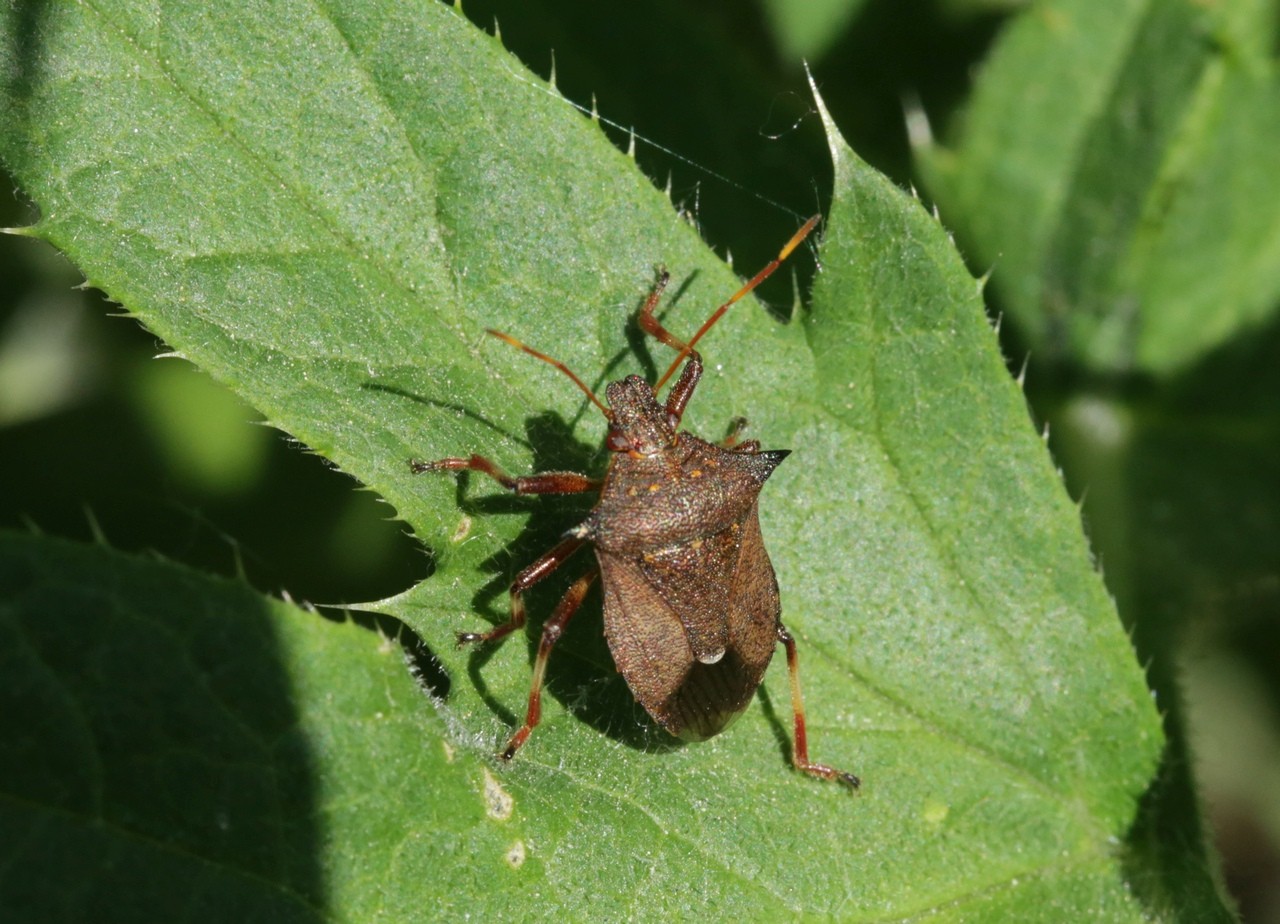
(1089, 836)
(1088, 277)
(1052, 189)
(624, 798)
(1080, 193)
(1059, 185)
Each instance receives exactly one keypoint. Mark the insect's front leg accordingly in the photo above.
(541, 483)
(800, 743)
(683, 389)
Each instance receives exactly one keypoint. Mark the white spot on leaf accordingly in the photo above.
(498, 803)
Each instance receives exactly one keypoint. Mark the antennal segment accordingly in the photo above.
(758, 278)
(507, 338)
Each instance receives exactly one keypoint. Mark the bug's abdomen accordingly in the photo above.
(692, 630)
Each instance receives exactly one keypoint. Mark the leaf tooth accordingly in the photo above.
(95, 528)
(238, 570)
(796, 301)
(25, 231)
(916, 120)
(551, 79)
(1022, 382)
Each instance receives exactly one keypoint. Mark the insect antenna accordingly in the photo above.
(507, 338)
(758, 278)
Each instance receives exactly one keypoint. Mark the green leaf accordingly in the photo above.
(1114, 167)
(324, 207)
(179, 747)
(808, 30)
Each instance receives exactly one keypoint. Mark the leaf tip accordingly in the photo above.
(828, 123)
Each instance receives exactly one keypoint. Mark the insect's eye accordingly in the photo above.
(617, 442)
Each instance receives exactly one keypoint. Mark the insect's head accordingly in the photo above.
(638, 424)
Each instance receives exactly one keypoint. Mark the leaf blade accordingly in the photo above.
(370, 350)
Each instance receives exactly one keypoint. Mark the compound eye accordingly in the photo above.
(617, 442)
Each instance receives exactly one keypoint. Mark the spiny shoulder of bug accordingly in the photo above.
(665, 486)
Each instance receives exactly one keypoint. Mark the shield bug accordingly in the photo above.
(691, 608)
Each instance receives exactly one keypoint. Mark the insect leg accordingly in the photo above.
(551, 632)
(800, 746)
(682, 390)
(733, 439)
(524, 580)
(649, 323)
(542, 483)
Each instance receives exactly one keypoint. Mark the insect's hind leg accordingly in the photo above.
(800, 743)
(524, 580)
(551, 632)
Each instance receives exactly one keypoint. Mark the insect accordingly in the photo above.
(691, 608)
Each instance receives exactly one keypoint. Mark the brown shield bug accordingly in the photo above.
(691, 608)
